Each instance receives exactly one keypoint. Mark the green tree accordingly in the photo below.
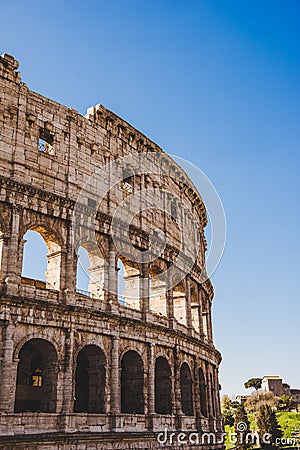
(268, 428)
(253, 383)
(285, 402)
(241, 427)
(227, 407)
(254, 402)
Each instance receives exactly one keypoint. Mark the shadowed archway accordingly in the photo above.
(132, 383)
(36, 377)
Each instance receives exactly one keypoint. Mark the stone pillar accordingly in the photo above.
(4, 243)
(177, 391)
(14, 261)
(115, 403)
(170, 301)
(197, 406)
(209, 322)
(188, 305)
(208, 391)
(217, 401)
(68, 268)
(68, 388)
(8, 371)
(151, 384)
(18, 160)
(170, 308)
(112, 291)
(53, 270)
(201, 332)
(144, 290)
(132, 290)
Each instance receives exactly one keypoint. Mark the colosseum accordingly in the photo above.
(100, 367)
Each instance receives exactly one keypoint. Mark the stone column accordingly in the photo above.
(144, 290)
(208, 391)
(200, 314)
(188, 305)
(68, 268)
(112, 286)
(115, 403)
(18, 113)
(217, 400)
(8, 371)
(68, 389)
(14, 262)
(170, 301)
(151, 385)
(197, 406)
(177, 391)
(4, 243)
(209, 322)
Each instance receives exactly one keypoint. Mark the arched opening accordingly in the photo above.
(163, 387)
(121, 282)
(179, 300)
(90, 272)
(36, 377)
(186, 390)
(157, 291)
(128, 284)
(132, 383)
(202, 391)
(41, 257)
(90, 380)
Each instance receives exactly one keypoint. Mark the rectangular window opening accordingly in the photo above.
(45, 144)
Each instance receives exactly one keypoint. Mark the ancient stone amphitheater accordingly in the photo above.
(100, 368)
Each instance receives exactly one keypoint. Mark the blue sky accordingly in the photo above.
(217, 83)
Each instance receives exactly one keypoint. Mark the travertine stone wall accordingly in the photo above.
(48, 153)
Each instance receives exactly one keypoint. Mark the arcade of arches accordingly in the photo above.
(37, 383)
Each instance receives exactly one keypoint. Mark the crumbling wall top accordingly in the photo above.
(8, 68)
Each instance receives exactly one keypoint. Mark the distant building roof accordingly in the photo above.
(272, 377)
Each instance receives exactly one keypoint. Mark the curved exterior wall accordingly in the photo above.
(76, 335)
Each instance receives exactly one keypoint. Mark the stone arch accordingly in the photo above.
(53, 242)
(186, 390)
(163, 386)
(140, 349)
(97, 342)
(202, 392)
(90, 380)
(132, 383)
(42, 335)
(93, 267)
(47, 229)
(36, 377)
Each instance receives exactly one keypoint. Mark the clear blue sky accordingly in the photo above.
(215, 82)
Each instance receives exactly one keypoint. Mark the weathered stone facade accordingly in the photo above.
(81, 370)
